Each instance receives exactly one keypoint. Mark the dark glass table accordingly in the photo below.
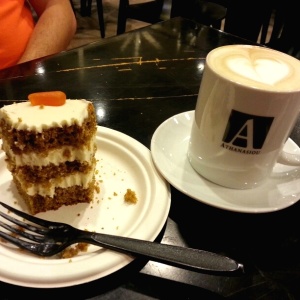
(137, 80)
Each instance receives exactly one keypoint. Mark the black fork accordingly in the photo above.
(50, 238)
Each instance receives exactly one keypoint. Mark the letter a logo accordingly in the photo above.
(247, 131)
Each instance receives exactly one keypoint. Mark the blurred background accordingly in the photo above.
(269, 22)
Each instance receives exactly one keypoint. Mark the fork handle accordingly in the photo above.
(187, 258)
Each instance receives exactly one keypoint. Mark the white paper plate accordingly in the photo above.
(123, 163)
(169, 147)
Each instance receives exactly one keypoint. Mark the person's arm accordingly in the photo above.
(55, 27)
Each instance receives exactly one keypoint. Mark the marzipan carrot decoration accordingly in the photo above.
(53, 98)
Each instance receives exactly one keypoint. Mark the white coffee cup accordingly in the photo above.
(248, 103)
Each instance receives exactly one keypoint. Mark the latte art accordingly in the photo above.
(256, 67)
(267, 71)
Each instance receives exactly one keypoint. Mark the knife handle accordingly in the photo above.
(182, 257)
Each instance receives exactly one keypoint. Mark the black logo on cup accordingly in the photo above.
(246, 133)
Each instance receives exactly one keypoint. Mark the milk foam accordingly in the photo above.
(256, 67)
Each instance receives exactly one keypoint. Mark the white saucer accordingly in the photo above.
(169, 146)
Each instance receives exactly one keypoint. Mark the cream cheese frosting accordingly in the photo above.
(75, 179)
(25, 116)
(55, 157)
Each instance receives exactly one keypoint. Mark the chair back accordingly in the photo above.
(205, 12)
(148, 11)
(272, 23)
(284, 27)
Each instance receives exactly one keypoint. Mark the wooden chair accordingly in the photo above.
(208, 13)
(148, 12)
(256, 20)
(245, 18)
(284, 35)
(86, 9)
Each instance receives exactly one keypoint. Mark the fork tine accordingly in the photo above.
(39, 230)
(42, 243)
(33, 237)
(30, 218)
(17, 242)
(41, 249)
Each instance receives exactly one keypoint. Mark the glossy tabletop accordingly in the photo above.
(136, 81)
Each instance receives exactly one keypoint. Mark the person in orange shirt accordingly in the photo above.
(31, 29)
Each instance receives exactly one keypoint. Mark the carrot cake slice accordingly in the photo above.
(50, 152)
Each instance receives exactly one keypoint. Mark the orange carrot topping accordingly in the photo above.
(53, 98)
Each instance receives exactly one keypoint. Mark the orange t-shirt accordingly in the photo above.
(17, 24)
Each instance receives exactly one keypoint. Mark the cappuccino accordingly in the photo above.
(247, 105)
(256, 67)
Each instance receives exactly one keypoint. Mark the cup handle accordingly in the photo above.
(289, 159)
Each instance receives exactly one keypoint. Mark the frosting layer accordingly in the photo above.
(68, 181)
(54, 156)
(24, 116)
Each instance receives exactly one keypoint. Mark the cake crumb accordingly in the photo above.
(2, 240)
(73, 251)
(82, 247)
(97, 187)
(130, 196)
